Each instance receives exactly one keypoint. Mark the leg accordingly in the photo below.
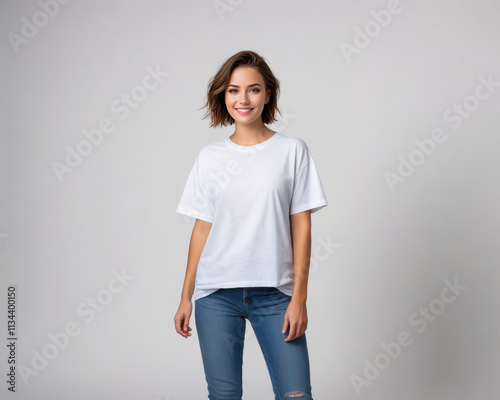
(221, 331)
(287, 362)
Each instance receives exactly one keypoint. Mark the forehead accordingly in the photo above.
(246, 75)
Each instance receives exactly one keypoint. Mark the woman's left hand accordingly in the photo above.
(296, 318)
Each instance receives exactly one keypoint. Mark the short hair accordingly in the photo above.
(215, 100)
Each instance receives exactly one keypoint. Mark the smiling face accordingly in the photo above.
(245, 96)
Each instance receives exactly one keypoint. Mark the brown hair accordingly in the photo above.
(216, 107)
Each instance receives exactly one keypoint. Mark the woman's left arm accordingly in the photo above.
(296, 313)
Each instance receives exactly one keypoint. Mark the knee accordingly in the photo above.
(294, 394)
(225, 392)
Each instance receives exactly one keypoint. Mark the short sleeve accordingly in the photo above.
(308, 191)
(195, 201)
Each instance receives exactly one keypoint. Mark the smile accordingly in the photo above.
(244, 110)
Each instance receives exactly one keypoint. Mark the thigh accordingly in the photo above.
(221, 330)
(287, 362)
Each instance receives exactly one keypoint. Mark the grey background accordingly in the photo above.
(392, 252)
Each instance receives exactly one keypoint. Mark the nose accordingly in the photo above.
(243, 98)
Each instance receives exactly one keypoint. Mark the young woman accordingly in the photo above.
(252, 195)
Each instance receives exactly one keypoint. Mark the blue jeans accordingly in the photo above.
(220, 324)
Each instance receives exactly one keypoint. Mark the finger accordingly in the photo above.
(290, 337)
(178, 326)
(300, 332)
(178, 323)
(187, 328)
(292, 333)
(299, 329)
(285, 324)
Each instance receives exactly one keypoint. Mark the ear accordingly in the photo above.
(268, 96)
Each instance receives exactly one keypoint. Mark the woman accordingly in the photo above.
(252, 195)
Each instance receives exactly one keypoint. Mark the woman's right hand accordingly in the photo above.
(181, 318)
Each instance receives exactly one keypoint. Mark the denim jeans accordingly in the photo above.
(220, 324)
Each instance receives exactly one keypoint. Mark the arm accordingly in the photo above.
(296, 313)
(199, 236)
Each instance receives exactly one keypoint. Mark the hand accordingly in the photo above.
(181, 318)
(296, 317)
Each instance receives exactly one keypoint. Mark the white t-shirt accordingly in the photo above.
(248, 194)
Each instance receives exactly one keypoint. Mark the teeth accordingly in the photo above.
(244, 109)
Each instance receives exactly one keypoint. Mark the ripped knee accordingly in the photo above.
(294, 394)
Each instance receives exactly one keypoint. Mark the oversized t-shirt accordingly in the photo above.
(248, 194)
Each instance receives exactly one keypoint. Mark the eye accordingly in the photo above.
(256, 90)
(231, 90)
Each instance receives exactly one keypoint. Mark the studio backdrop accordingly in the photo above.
(101, 121)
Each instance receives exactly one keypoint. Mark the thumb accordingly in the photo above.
(186, 322)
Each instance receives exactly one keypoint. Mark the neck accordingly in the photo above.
(250, 135)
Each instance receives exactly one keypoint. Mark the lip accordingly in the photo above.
(246, 112)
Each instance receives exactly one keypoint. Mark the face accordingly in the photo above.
(245, 96)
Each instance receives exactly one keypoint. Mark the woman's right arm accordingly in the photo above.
(199, 236)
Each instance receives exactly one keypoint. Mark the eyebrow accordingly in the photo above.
(253, 84)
